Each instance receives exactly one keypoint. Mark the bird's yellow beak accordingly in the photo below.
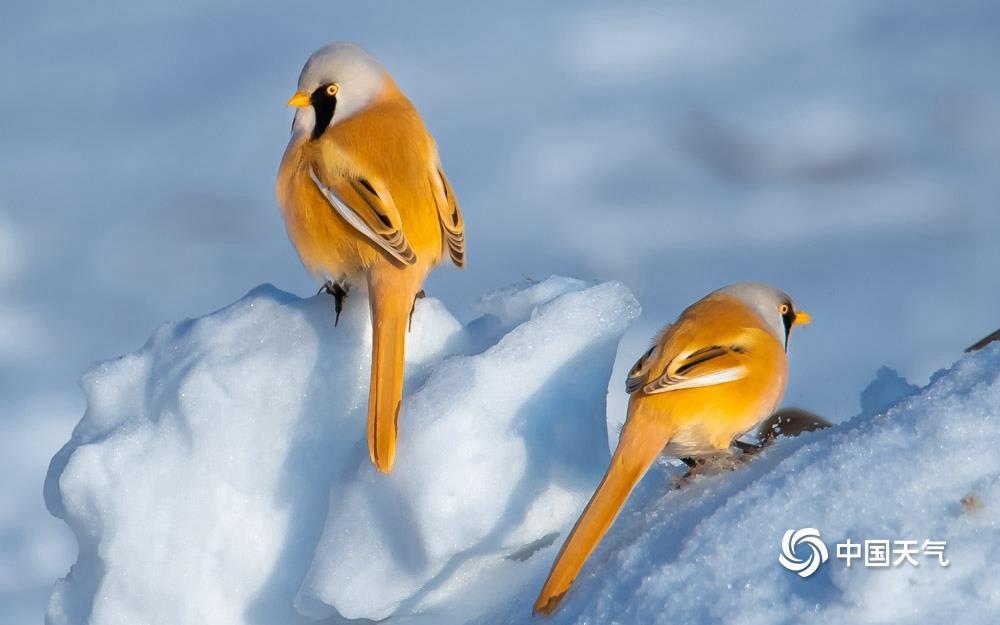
(802, 318)
(299, 100)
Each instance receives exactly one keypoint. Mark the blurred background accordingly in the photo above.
(846, 151)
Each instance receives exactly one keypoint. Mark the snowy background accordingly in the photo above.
(849, 153)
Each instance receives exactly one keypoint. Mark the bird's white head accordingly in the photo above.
(775, 307)
(338, 80)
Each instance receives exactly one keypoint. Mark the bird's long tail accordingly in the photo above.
(641, 441)
(391, 298)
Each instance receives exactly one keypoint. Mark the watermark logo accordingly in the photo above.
(882, 553)
(816, 549)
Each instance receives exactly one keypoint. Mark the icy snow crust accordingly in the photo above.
(220, 476)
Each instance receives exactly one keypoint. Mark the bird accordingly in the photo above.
(367, 204)
(983, 342)
(709, 377)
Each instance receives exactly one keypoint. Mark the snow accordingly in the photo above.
(887, 388)
(924, 469)
(220, 475)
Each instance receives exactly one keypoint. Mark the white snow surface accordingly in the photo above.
(708, 553)
(220, 475)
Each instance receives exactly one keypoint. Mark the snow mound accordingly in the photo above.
(926, 468)
(220, 474)
(887, 388)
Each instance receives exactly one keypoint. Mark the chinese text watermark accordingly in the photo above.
(803, 551)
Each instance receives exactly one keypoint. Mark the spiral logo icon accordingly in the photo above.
(808, 536)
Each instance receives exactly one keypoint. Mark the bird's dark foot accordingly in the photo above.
(339, 292)
(749, 448)
(720, 462)
(694, 465)
(420, 295)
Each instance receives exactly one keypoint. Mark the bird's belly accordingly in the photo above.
(328, 246)
(331, 248)
(707, 420)
(691, 441)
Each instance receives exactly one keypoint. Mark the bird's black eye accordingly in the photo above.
(324, 102)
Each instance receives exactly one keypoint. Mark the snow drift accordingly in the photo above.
(924, 468)
(220, 476)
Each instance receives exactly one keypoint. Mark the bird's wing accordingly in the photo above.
(367, 205)
(639, 372)
(682, 358)
(449, 214)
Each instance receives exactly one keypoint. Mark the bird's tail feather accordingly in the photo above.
(641, 441)
(391, 299)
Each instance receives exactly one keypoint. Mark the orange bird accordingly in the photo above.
(712, 376)
(366, 203)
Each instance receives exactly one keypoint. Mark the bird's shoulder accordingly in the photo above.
(390, 121)
(713, 325)
(712, 320)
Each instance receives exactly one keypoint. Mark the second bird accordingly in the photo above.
(367, 204)
(709, 378)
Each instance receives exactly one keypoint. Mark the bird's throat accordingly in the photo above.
(324, 114)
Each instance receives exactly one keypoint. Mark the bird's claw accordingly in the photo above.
(749, 448)
(718, 463)
(339, 292)
(420, 295)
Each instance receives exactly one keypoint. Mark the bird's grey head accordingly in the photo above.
(338, 80)
(775, 307)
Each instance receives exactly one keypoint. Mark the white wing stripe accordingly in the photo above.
(352, 218)
(711, 379)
